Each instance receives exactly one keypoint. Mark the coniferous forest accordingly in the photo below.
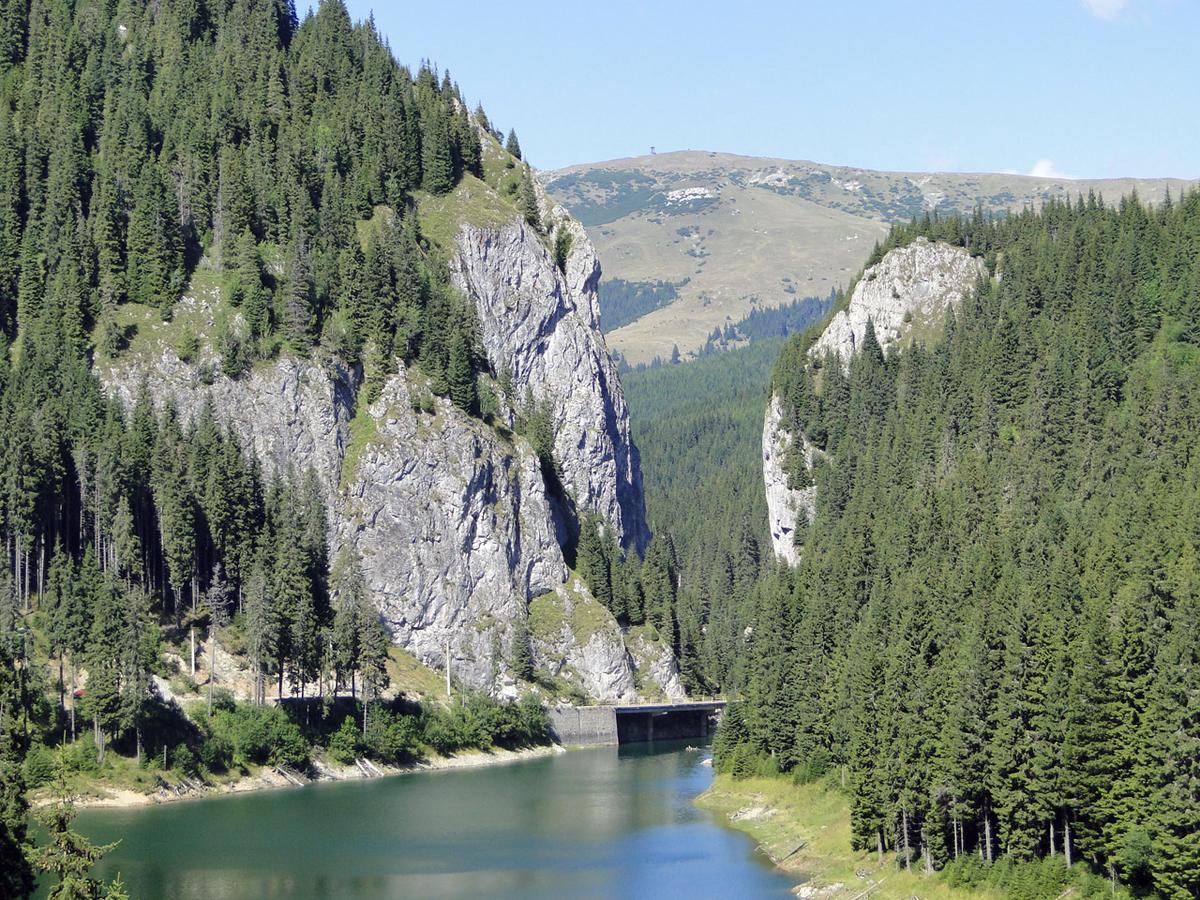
(993, 637)
(142, 145)
(992, 640)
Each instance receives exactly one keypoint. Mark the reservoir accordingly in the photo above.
(602, 822)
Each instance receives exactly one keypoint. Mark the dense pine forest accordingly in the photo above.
(993, 638)
(143, 146)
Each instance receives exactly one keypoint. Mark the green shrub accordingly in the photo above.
(813, 768)
(729, 737)
(183, 759)
(391, 737)
(562, 249)
(187, 345)
(345, 743)
(39, 766)
(80, 756)
(535, 721)
(216, 753)
(235, 353)
(263, 735)
(440, 731)
(1029, 880)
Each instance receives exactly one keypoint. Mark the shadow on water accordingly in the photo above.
(602, 822)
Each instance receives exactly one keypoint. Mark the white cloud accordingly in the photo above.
(1105, 9)
(1044, 168)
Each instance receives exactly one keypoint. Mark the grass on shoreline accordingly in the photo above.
(780, 815)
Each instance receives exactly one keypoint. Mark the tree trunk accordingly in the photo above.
(1052, 837)
(987, 831)
(162, 565)
(193, 640)
(1067, 838)
(907, 852)
(73, 698)
(212, 671)
(62, 688)
(879, 843)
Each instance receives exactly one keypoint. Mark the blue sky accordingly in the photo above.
(1083, 88)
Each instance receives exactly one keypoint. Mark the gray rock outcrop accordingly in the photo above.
(541, 328)
(453, 528)
(907, 293)
(292, 414)
(451, 517)
(910, 288)
(784, 504)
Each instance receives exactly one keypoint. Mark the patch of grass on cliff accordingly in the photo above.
(636, 639)
(473, 202)
(364, 432)
(368, 229)
(780, 815)
(587, 614)
(582, 613)
(408, 674)
(195, 318)
(547, 614)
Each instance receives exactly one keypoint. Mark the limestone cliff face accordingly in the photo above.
(453, 528)
(784, 504)
(541, 327)
(908, 292)
(910, 288)
(575, 640)
(291, 414)
(452, 519)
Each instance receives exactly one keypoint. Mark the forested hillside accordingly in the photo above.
(143, 147)
(994, 631)
(698, 425)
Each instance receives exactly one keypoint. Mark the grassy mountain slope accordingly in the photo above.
(749, 232)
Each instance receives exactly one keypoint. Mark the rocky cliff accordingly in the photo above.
(906, 293)
(905, 296)
(541, 328)
(787, 508)
(455, 526)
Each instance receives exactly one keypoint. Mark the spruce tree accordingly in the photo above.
(460, 373)
(512, 145)
(527, 200)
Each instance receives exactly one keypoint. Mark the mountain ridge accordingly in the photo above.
(735, 233)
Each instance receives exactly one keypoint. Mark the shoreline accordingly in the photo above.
(804, 831)
(266, 779)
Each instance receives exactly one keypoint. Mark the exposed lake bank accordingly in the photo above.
(101, 795)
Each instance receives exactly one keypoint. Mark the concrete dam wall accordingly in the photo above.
(591, 726)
